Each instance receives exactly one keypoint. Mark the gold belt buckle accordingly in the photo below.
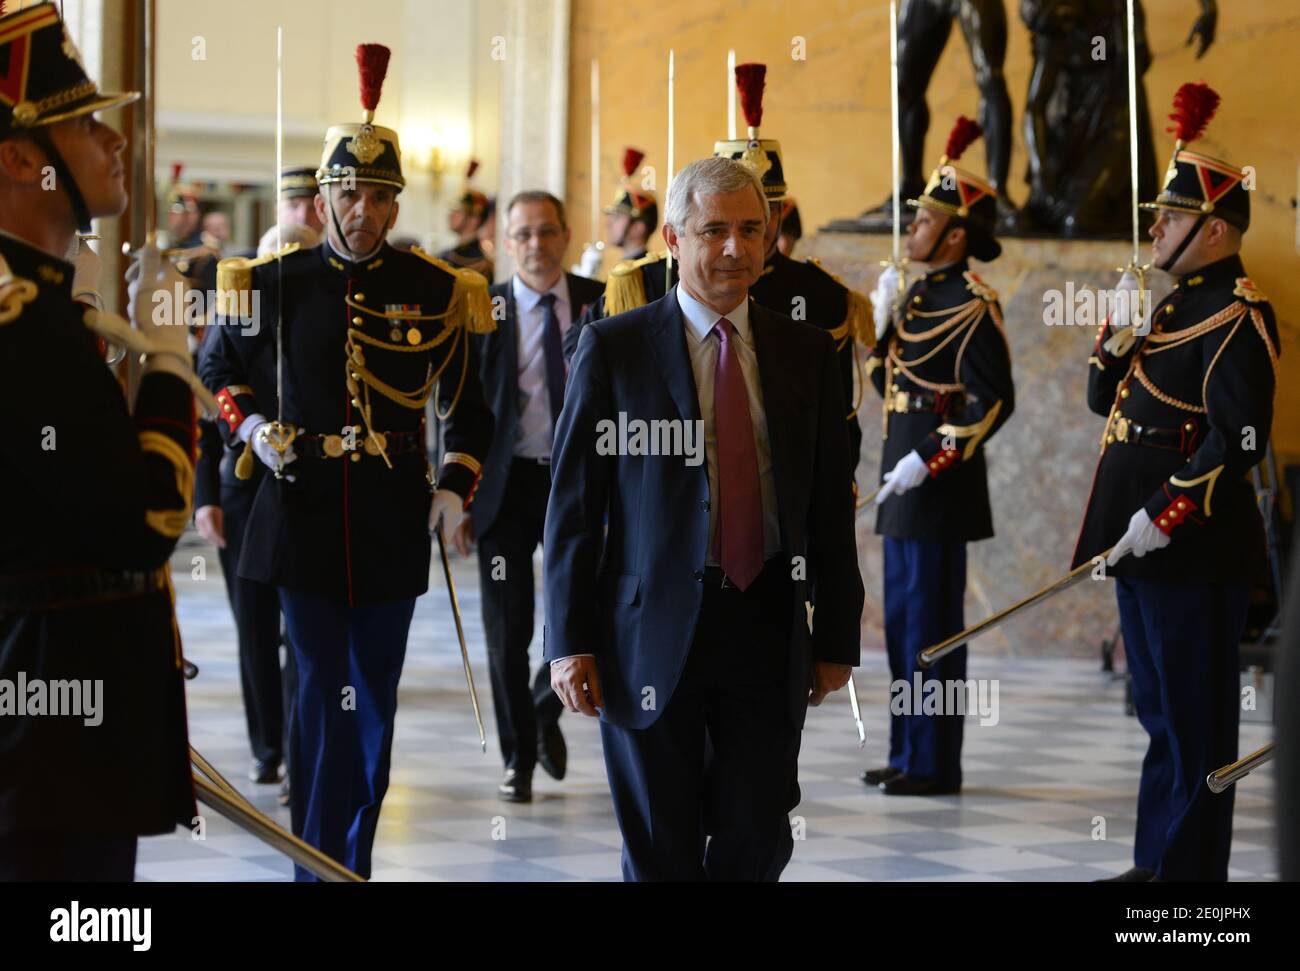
(1121, 429)
(333, 446)
(375, 441)
(901, 400)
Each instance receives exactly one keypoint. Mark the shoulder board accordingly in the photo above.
(15, 293)
(1247, 290)
(978, 287)
(624, 267)
(471, 305)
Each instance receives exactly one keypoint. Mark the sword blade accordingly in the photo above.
(928, 657)
(894, 133)
(1132, 123)
(460, 634)
(857, 712)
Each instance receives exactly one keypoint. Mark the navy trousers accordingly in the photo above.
(1181, 641)
(341, 742)
(925, 582)
(686, 815)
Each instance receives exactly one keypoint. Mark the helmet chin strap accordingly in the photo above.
(1168, 265)
(938, 240)
(63, 177)
(338, 230)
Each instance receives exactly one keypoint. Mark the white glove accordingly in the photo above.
(152, 305)
(255, 428)
(884, 297)
(589, 262)
(85, 274)
(909, 473)
(1141, 537)
(447, 507)
(1126, 321)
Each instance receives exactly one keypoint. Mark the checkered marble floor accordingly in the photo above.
(1061, 762)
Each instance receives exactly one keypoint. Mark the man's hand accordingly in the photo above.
(826, 678)
(909, 473)
(151, 291)
(447, 508)
(208, 521)
(575, 680)
(1140, 538)
(463, 537)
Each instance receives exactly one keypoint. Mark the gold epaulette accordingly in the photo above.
(471, 305)
(858, 322)
(625, 289)
(235, 276)
(1247, 290)
(978, 287)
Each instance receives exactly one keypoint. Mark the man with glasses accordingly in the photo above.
(522, 368)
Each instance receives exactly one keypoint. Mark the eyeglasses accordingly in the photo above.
(544, 235)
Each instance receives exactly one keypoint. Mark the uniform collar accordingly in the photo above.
(701, 319)
(1226, 270)
(526, 297)
(30, 263)
(943, 274)
(344, 265)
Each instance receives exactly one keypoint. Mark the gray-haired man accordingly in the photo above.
(698, 621)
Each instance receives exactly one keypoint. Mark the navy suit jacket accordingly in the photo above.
(631, 595)
(496, 357)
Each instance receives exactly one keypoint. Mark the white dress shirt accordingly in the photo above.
(703, 346)
(535, 432)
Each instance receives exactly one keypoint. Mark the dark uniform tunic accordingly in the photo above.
(97, 497)
(1188, 407)
(348, 527)
(1180, 403)
(945, 375)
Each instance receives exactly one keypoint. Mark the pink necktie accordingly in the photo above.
(739, 541)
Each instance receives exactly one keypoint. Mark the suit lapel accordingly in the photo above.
(778, 404)
(667, 338)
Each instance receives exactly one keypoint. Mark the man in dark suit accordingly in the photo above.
(708, 433)
(521, 365)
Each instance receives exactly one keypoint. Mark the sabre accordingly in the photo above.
(857, 712)
(279, 435)
(867, 500)
(1134, 266)
(668, 263)
(460, 633)
(1221, 779)
(731, 95)
(896, 258)
(928, 657)
(595, 154)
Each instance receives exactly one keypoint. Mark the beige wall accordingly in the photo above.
(831, 111)
(217, 115)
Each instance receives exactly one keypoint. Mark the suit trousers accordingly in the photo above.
(925, 582)
(341, 742)
(1181, 642)
(524, 704)
(685, 816)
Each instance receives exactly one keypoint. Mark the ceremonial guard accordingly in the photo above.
(465, 220)
(92, 699)
(631, 219)
(1188, 409)
(942, 365)
(367, 334)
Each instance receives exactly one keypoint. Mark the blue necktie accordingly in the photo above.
(553, 351)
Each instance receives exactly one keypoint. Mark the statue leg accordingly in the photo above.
(984, 25)
(923, 28)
